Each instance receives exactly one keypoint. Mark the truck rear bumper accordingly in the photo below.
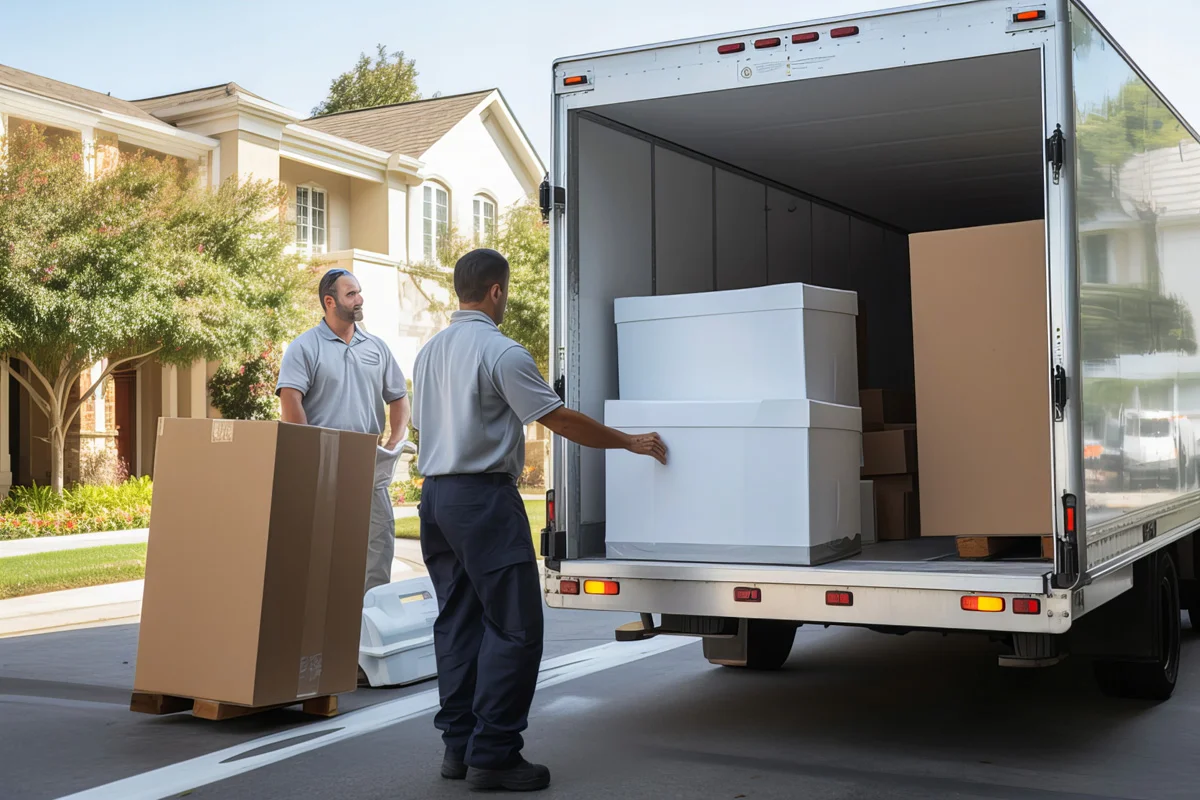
(911, 597)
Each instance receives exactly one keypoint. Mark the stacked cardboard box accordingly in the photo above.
(890, 461)
(255, 563)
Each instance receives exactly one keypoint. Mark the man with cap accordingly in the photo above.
(336, 375)
(474, 392)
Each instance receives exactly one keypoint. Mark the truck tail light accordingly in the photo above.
(550, 509)
(566, 586)
(747, 594)
(763, 44)
(601, 587)
(1029, 16)
(1027, 605)
(735, 47)
(839, 598)
(805, 38)
(981, 602)
(842, 33)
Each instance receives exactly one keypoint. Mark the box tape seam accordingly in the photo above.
(319, 566)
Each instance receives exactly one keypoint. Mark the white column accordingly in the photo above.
(6, 477)
(170, 391)
(199, 389)
(214, 168)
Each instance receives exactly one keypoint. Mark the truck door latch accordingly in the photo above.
(1059, 392)
(550, 197)
(1056, 148)
(560, 388)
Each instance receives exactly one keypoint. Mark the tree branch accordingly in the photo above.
(38, 374)
(33, 395)
(70, 418)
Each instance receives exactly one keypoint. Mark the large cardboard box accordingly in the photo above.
(897, 508)
(885, 407)
(891, 452)
(982, 374)
(256, 561)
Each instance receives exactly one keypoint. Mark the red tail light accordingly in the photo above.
(842, 33)
(762, 44)
(1026, 605)
(747, 594)
(568, 587)
(805, 38)
(839, 598)
(736, 47)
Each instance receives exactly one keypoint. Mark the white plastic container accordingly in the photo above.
(770, 343)
(396, 644)
(773, 482)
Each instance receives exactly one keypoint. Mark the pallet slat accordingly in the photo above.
(159, 704)
(982, 547)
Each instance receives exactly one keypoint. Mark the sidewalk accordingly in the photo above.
(75, 541)
(122, 602)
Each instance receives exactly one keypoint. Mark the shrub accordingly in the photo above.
(408, 491)
(102, 467)
(37, 511)
(247, 391)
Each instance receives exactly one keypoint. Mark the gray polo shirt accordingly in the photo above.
(345, 386)
(474, 391)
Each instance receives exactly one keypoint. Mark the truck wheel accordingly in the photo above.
(768, 644)
(1151, 680)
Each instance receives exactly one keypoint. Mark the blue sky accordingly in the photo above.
(288, 52)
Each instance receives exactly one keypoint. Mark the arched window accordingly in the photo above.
(484, 209)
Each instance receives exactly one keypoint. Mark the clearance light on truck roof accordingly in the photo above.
(763, 44)
(747, 594)
(979, 602)
(805, 38)
(575, 80)
(601, 587)
(842, 33)
(1029, 16)
(726, 49)
(568, 587)
(839, 598)
(1027, 605)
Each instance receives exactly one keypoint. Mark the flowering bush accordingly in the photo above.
(247, 391)
(37, 511)
(403, 492)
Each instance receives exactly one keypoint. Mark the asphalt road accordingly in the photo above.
(855, 714)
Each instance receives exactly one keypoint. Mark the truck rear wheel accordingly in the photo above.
(768, 644)
(1151, 679)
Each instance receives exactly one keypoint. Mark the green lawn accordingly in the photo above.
(410, 527)
(71, 569)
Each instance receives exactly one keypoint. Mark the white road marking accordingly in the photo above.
(224, 764)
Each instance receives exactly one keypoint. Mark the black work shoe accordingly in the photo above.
(453, 768)
(522, 777)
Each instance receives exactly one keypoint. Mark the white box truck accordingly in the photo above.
(809, 153)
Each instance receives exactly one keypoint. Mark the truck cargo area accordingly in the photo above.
(819, 181)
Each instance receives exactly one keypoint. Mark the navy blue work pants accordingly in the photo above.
(488, 636)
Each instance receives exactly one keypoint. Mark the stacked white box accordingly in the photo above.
(755, 393)
(783, 342)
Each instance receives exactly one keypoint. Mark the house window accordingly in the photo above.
(436, 215)
(485, 220)
(1095, 259)
(311, 205)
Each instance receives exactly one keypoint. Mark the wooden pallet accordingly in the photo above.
(983, 547)
(158, 704)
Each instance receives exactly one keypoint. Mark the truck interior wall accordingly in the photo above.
(653, 219)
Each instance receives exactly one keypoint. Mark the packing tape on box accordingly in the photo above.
(222, 431)
(320, 554)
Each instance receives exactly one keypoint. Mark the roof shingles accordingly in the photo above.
(409, 128)
(57, 90)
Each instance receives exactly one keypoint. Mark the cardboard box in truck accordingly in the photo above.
(883, 407)
(982, 369)
(891, 452)
(256, 561)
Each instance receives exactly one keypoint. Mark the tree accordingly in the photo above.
(247, 390)
(391, 79)
(137, 262)
(525, 241)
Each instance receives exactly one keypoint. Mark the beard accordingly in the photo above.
(349, 313)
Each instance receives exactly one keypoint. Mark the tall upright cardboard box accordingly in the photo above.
(256, 560)
(983, 372)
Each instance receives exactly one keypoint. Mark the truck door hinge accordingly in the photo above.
(560, 388)
(550, 197)
(1056, 148)
(1059, 392)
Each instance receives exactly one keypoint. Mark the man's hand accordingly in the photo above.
(648, 444)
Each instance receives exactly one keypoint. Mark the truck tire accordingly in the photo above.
(768, 644)
(1150, 680)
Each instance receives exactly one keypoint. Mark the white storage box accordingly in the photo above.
(774, 482)
(771, 343)
(396, 645)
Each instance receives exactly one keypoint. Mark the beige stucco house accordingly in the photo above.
(370, 190)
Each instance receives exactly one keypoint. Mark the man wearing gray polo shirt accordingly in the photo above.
(474, 392)
(336, 375)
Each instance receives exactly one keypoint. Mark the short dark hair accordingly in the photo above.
(328, 286)
(477, 272)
